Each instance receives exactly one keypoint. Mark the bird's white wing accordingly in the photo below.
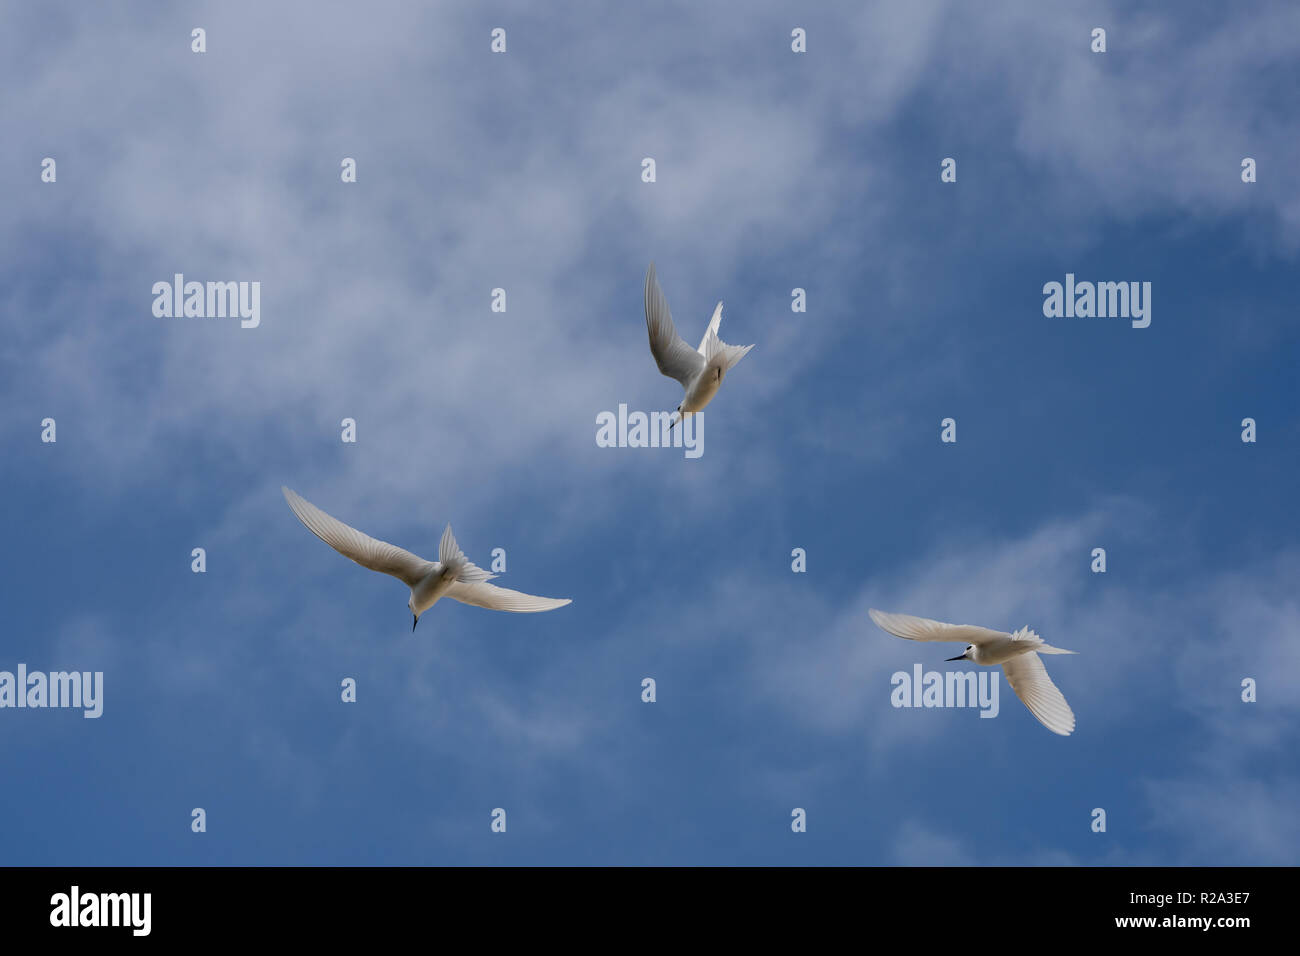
(364, 550)
(482, 594)
(714, 324)
(1028, 678)
(674, 357)
(924, 629)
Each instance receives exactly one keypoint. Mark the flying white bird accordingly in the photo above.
(1017, 653)
(699, 370)
(452, 575)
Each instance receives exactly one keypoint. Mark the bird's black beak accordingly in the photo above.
(959, 657)
(414, 621)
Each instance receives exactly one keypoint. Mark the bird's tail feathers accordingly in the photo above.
(735, 353)
(729, 354)
(1029, 636)
(450, 554)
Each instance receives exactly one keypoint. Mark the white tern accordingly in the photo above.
(699, 370)
(1017, 653)
(452, 575)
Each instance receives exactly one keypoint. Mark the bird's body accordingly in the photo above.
(700, 371)
(701, 391)
(1016, 652)
(452, 575)
(431, 588)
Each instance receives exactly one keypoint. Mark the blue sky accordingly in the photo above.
(774, 171)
